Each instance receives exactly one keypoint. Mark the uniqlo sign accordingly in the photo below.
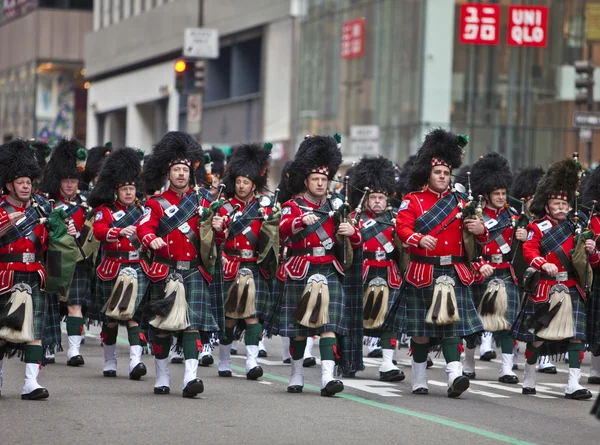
(479, 24)
(353, 39)
(528, 26)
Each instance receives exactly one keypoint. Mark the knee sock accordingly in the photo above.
(506, 343)
(192, 345)
(228, 337)
(297, 348)
(327, 348)
(74, 325)
(133, 335)
(575, 354)
(109, 335)
(33, 354)
(161, 347)
(388, 341)
(252, 335)
(419, 351)
(451, 348)
(531, 354)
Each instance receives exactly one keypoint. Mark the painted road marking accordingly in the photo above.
(383, 389)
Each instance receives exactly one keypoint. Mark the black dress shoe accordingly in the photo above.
(38, 394)
(459, 385)
(395, 362)
(309, 361)
(294, 389)
(233, 351)
(429, 362)
(548, 370)
(469, 375)
(254, 373)
(138, 371)
(50, 361)
(161, 390)
(111, 373)
(76, 360)
(262, 353)
(421, 391)
(515, 367)
(376, 353)
(489, 355)
(349, 375)
(176, 359)
(512, 379)
(224, 373)
(580, 394)
(287, 361)
(193, 388)
(206, 360)
(529, 391)
(332, 388)
(594, 380)
(395, 375)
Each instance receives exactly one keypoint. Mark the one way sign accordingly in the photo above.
(201, 43)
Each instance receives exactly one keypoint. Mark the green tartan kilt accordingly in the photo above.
(273, 317)
(593, 321)
(394, 294)
(519, 329)
(217, 296)
(512, 293)
(197, 296)
(40, 302)
(104, 290)
(52, 338)
(292, 294)
(80, 291)
(263, 291)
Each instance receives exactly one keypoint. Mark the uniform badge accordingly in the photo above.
(118, 215)
(530, 235)
(404, 205)
(544, 225)
(491, 223)
(286, 210)
(98, 216)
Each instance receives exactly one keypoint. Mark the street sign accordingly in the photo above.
(479, 24)
(194, 113)
(586, 119)
(201, 43)
(364, 140)
(527, 26)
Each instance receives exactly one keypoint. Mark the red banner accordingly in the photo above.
(353, 39)
(528, 26)
(479, 24)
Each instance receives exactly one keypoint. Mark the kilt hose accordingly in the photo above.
(292, 294)
(80, 291)
(263, 291)
(52, 338)
(104, 290)
(40, 302)
(593, 321)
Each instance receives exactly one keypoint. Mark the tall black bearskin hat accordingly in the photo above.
(490, 173)
(440, 147)
(18, 160)
(96, 157)
(122, 167)
(401, 186)
(559, 182)
(250, 161)
(591, 188)
(217, 158)
(375, 173)
(42, 151)
(316, 154)
(67, 162)
(175, 147)
(284, 188)
(525, 182)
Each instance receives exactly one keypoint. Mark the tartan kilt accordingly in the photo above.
(418, 301)
(519, 329)
(292, 294)
(40, 302)
(52, 338)
(263, 291)
(593, 311)
(197, 296)
(272, 320)
(512, 293)
(217, 295)
(381, 272)
(104, 290)
(79, 292)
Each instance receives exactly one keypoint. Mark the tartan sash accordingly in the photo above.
(373, 230)
(205, 194)
(555, 237)
(132, 215)
(32, 219)
(186, 209)
(503, 224)
(307, 231)
(240, 223)
(425, 223)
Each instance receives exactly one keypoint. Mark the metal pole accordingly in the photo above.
(590, 108)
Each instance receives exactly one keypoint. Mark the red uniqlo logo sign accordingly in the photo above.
(479, 24)
(353, 39)
(528, 26)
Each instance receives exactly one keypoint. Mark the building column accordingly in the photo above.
(173, 112)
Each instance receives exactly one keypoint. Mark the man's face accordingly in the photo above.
(377, 203)
(216, 180)
(20, 189)
(557, 209)
(439, 178)
(316, 184)
(244, 188)
(497, 199)
(126, 195)
(68, 187)
(179, 176)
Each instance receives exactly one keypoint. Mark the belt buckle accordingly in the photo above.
(29, 257)
(496, 258)
(445, 260)
(380, 255)
(134, 255)
(562, 276)
(318, 251)
(246, 253)
(182, 265)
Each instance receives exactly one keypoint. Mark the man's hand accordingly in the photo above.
(128, 231)
(218, 223)
(550, 269)
(71, 229)
(309, 219)
(428, 242)
(474, 226)
(14, 217)
(487, 270)
(157, 243)
(345, 229)
(521, 234)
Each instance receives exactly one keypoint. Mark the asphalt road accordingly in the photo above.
(85, 407)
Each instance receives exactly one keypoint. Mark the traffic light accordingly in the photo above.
(180, 73)
(584, 83)
(189, 76)
(199, 74)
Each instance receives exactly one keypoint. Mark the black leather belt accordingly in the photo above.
(311, 251)
(498, 258)
(26, 257)
(445, 260)
(559, 277)
(123, 255)
(175, 264)
(241, 253)
(380, 255)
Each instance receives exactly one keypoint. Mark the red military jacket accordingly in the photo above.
(242, 242)
(533, 257)
(449, 240)
(291, 224)
(112, 242)
(21, 246)
(178, 246)
(377, 248)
